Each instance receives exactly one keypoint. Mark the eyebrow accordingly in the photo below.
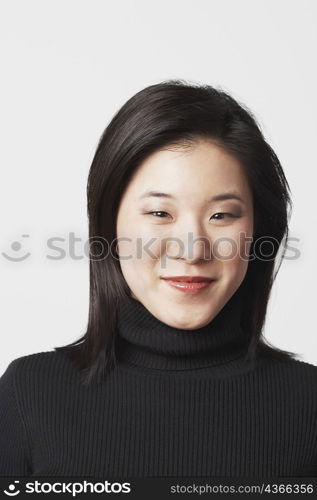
(218, 197)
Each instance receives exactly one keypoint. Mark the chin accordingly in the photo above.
(186, 322)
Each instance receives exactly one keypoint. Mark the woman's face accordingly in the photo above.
(189, 233)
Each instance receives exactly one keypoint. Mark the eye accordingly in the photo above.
(157, 212)
(221, 214)
(225, 213)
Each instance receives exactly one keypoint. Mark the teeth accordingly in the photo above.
(180, 281)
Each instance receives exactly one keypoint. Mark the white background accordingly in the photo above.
(67, 66)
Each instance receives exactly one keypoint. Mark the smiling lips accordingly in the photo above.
(188, 284)
(190, 279)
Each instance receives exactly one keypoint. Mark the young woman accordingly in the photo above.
(188, 209)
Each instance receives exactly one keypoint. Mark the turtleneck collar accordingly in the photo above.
(145, 341)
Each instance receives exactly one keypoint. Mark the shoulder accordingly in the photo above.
(295, 373)
(296, 366)
(36, 367)
(34, 360)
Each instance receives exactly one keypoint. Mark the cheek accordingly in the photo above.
(139, 274)
(141, 248)
(138, 241)
(138, 255)
(232, 250)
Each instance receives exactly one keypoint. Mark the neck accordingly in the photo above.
(145, 341)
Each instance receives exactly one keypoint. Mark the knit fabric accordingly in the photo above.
(180, 403)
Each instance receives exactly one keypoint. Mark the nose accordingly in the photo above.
(191, 245)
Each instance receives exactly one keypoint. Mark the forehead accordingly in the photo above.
(202, 171)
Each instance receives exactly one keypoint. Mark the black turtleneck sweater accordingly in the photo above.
(182, 403)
